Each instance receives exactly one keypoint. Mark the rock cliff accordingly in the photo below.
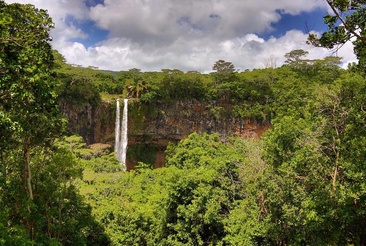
(157, 124)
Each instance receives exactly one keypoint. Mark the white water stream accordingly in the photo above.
(121, 133)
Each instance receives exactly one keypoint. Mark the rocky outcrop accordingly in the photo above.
(94, 124)
(158, 124)
(162, 123)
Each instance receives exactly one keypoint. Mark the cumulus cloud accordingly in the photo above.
(246, 52)
(168, 20)
(187, 35)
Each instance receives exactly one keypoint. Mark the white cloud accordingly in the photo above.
(187, 35)
(167, 20)
(346, 52)
(246, 52)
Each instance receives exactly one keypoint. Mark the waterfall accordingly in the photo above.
(120, 146)
(117, 129)
(124, 127)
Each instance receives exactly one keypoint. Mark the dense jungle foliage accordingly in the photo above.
(302, 183)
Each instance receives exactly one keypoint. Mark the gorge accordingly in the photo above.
(153, 126)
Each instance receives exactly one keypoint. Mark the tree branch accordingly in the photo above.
(344, 22)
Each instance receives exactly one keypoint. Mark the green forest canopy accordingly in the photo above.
(301, 184)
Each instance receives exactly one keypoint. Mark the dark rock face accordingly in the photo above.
(94, 124)
(157, 124)
(163, 123)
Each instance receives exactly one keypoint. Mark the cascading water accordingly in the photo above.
(120, 146)
(124, 140)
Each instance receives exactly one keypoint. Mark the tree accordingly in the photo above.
(347, 23)
(295, 56)
(187, 202)
(270, 62)
(28, 100)
(343, 109)
(225, 71)
(223, 67)
(295, 59)
(135, 87)
(316, 186)
(62, 214)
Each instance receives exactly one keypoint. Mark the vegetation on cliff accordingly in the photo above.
(303, 183)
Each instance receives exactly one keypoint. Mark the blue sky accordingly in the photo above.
(94, 34)
(188, 35)
(306, 21)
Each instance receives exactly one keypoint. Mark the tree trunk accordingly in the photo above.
(27, 169)
(3, 167)
(27, 179)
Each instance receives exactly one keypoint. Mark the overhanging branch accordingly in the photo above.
(344, 22)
